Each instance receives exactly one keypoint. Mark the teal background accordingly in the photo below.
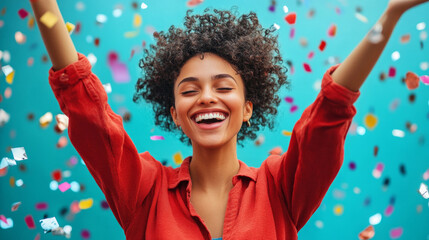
(32, 94)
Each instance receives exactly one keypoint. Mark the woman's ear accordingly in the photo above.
(248, 110)
(174, 115)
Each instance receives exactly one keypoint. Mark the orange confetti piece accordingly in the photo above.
(371, 121)
(412, 80)
(177, 157)
(332, 31)
(286, 133)
(367, 233)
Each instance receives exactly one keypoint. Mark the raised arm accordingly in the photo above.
(366, 54)
(56, 38)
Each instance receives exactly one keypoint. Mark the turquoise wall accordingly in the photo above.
(355, 194)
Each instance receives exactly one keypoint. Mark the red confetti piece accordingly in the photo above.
(15, 206)
(56, 175)
(22, 13)
(97, 42)
(77, 28)
(412, 80)
(41, 206)
(307, 67)
(332, 31)
(322, 45)
(291, 18)
(392, 72)
(30, 222)
(289, 99)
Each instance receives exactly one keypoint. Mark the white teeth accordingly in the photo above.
(217, 115)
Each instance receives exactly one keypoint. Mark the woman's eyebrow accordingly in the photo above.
(215, 77)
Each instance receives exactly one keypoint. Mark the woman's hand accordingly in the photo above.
(401, 6)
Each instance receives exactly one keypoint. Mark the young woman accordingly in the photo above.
(215, 81)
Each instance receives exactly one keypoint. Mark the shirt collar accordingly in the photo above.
(182, 173)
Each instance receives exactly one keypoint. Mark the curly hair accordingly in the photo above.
(250, 49)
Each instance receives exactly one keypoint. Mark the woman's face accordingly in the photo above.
(204, 86)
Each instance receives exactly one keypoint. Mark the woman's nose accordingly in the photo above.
(207, 96)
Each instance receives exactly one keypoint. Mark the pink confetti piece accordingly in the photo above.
(85, 234)
(41, 206)
(396, 232)
(37, 237)
(119, 70)
(293, 108)
(154, 138)
(289, 99)
(392, 72)
(22, 13)
(307, 67)
(292, 33)
(30, 222)
(425, 79)
(3, 218)
(64, 186)
(332, 31)
(310, 55)
(426, 175)
(378, 170)
(389, 210)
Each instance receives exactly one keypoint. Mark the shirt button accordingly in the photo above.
(64, 77)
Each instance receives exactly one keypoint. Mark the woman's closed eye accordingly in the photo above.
(221, 89)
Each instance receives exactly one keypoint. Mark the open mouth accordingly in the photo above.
(209, 119)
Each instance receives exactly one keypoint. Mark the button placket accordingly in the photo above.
(64, 77)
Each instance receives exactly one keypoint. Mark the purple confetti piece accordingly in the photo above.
(289, 99)
(41, 206)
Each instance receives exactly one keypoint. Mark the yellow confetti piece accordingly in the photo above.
(49, 19)
(30, 22)
(371, 121)
(177, 157)
(287, 133)
(131, 34)
(70, 27)
(338, 210)
(12, 181)
(137, 20)
(9, 77)
(86, 203)
(46, 119)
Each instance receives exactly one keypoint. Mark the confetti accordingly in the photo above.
(85, 233)
(412, 80)
(62, 142)
(64, 186)
(49, 19)
(292, 33)
(421, 26)
(426, 175)
(370, 121)
(86, 203)
(62, 123)
(423, 190)
(48, 224)
(291, 18)
(15, 206)
(70, 27)
(398, 133)
(361, 17)
(332, 31)
(367, 233)
(352, 165)
(285, 9)
(41, 206)
(119, 70)
(375, 219)
(396, 232)
(177, 158)
(19, 153)
(425, 79)
(338, 209)
(30, 22)
(322, 45)
(286, 133)
(307, 67)
(9, 72)
(193, 3)
(395, 56)
(7, 162)
(101, 18)
(405, 38)
(56, 175)
(376, 173)
(22, 13)
(137, 20)
(46, 119)
(117, 11)
(6, 223)
(30, 222)
(293, 108)
(392, 72)
(143, 6)
(389, 210)
(155, 138)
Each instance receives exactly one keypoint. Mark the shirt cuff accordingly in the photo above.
(70, 74)
(336, 92)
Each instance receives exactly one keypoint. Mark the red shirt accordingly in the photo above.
(151, 201)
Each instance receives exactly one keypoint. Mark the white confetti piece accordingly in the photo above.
(19, 153)
(48, 224)
(423, 190)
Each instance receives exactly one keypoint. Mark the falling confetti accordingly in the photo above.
(375, 219)
(177, 158)
(307, 67)
(119, 70)
(370, 121)
(193, 3)
(332, 31)
(423, 190)
(412, 80)
(9, 73)
(86, 203)
(46, 119)
(291, 18)
(15, 206)
(48, 224)
(367, 233)
(30, 222)
(376, 173)
(22, 13)
(155, 138)
(396, 232)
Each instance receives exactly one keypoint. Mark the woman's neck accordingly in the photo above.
(212, 169)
